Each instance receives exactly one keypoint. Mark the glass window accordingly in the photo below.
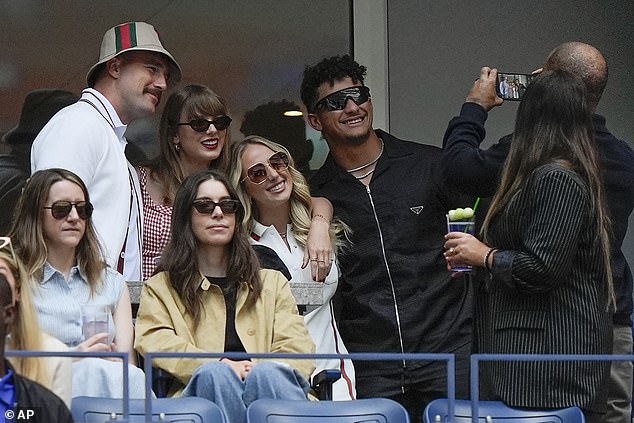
(251, 53)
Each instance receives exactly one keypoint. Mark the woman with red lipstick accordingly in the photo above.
(54, 236)
(193, 135)
(277, 206)
(210, 295)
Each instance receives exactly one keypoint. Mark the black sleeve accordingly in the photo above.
(465, 166)
(270, 260)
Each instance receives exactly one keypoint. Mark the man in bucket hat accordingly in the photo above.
(127, 83)
(39, 106)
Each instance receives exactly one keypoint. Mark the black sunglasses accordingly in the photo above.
(61, 209)
(202, 125)
(338, 99)
(208, 206)
(257, 173)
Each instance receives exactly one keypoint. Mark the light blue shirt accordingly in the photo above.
(58, 301)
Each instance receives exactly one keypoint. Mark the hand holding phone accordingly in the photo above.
(483, 91)
(511, 86)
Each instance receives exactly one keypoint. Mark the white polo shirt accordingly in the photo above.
(87, 138)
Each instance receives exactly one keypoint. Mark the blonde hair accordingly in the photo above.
(25, 330)
(300, 201)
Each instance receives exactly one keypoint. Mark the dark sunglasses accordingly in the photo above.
(202, 125)
(338, 99)
(61, 209)
(257, 173)
(208, 206)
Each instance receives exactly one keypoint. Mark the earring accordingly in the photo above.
(177, 147)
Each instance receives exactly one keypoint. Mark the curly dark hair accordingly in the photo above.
(329, 70)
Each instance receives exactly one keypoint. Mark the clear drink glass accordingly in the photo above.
(97, 318)
(466, 226)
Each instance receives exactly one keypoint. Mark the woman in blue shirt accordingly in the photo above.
(56, 240)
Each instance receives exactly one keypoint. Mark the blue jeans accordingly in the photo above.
(217, 382)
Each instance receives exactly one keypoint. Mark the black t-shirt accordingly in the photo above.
(232, 340)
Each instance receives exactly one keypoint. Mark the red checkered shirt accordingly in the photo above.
(157, 220)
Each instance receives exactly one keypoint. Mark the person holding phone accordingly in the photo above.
(211, 295)
(545, 285)
(472, 170)
(56, 240)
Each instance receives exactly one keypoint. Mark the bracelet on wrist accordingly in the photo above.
(486, 258)
(322, 216)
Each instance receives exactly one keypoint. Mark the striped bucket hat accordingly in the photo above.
(129, 37)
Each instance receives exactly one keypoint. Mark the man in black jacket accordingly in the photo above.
(395, 293)
(475, 171)
(22, 399)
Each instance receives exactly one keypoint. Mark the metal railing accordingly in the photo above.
(76, 354)
(449, 358)
(477, 358)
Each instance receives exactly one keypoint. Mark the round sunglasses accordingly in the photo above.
(61, 209)
(208, 206)
(202, 125)
(257, 173)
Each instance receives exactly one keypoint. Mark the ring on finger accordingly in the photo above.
(451, 250)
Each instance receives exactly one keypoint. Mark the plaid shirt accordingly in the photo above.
(157, 220)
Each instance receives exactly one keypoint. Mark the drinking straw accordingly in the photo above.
(475, 206)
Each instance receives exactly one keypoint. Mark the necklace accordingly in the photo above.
(282, 234)
(367, 164)
(364, 175)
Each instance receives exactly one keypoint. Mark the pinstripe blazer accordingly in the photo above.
(546, 294)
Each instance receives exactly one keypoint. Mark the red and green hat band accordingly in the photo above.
(125, 36)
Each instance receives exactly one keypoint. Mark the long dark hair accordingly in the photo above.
(180, 259)
(554, 125)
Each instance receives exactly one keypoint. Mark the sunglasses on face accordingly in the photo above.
(208, 206)
(61, 209)
(202, 125)
(338, 99)
(257, 173)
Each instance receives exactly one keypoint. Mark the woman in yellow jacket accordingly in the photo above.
(210, 295)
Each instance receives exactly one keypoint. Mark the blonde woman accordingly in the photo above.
(24, 333)
(277, 206)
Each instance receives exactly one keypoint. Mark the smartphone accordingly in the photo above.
(511, 86)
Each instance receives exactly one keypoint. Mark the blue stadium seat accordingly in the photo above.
(164, 410)
(497, 411)
(376, 410)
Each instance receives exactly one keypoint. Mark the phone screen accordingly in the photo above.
(511, 86)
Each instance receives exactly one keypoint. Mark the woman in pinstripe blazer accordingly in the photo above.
(546, 286)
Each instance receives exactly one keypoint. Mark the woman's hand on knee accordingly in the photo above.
(242, 367)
